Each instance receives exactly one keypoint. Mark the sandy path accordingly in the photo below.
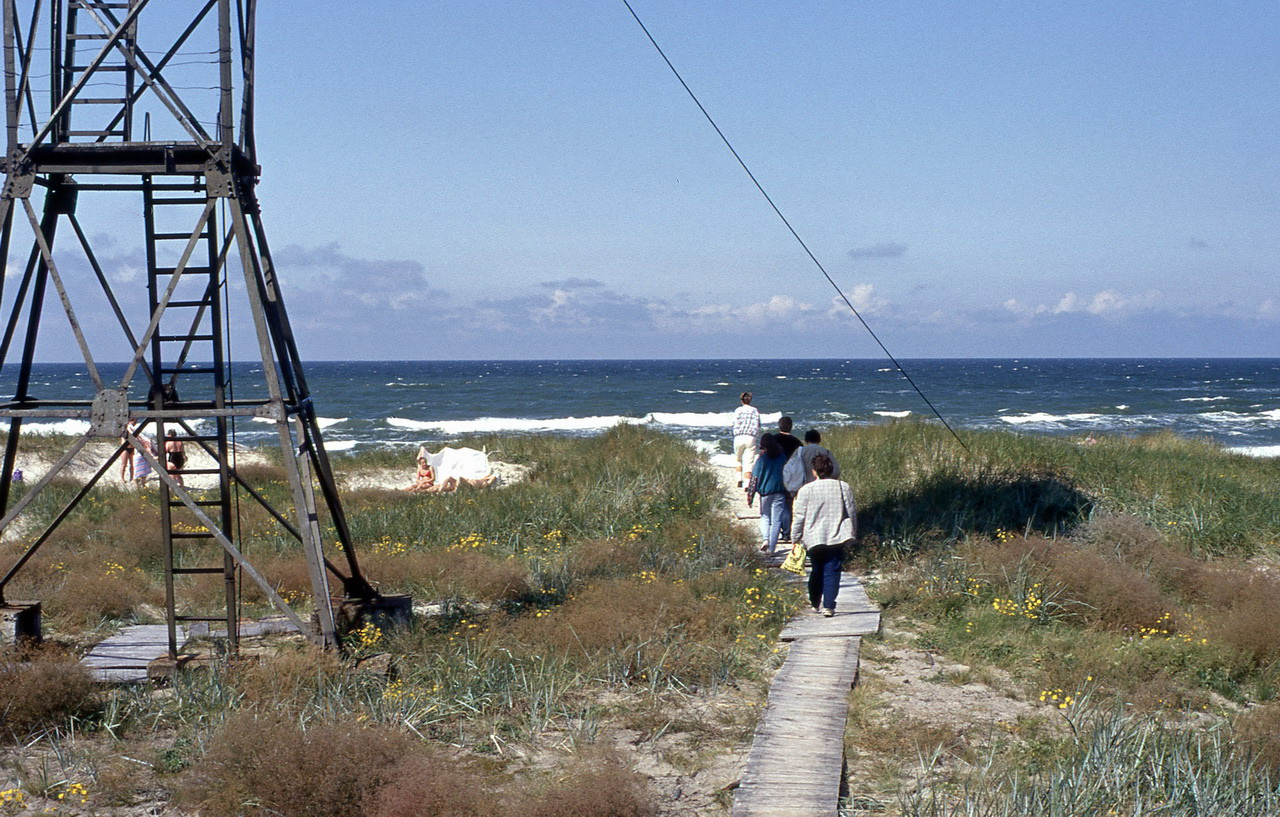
(735, 498)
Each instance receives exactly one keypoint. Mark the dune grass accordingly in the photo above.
(1120, 572)
(917, 486)
(604, 586)
(605, 589)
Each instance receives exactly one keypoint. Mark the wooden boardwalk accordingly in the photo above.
(123, 657)
(796, 763)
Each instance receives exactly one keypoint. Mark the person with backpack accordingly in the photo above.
(812, 448)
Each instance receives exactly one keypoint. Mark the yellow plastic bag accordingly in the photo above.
(794, 563)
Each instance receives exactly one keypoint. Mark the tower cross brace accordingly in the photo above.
(112, 98)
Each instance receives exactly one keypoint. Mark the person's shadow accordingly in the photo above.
(948, 507)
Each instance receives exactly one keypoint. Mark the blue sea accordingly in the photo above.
(407, 403)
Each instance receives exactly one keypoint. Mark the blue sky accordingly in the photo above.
(501, 179)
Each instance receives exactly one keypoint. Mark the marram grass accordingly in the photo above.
(916, 485)
(1117, 763)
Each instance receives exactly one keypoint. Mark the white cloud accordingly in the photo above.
(1069, 303)
(780, 311)
(1108, 302)
(863, 298)
(887, 249)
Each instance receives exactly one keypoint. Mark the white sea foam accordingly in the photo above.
(72, 427)
(1122, 408)
(893, 413)
(323, 422)
(1043, 417)
(497, 425)
(340, 445)
(1238, 417)
(1202, 399)
(1257, 450)
(689, 419)
(696, 391)
(494, 425)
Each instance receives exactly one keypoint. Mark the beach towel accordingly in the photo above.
(141, 468)
(463, 463)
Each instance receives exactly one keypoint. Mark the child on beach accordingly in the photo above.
(142, 466)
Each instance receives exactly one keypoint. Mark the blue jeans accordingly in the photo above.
(772, 509)
(824, 578)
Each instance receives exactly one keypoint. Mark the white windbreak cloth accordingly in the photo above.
(463, 463)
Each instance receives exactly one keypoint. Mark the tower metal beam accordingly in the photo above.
(195, 167)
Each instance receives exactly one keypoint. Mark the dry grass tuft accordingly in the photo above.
(604, 558)
(41, 688)
(599, 787)
(269, 765)
(1106, 592)
(90, 595)
(1258, 733)
(430, 785)
(458, 574)
(1249, 623)
(623, 612)
(286, 678)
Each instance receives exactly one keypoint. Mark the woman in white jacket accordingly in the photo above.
(826, 521)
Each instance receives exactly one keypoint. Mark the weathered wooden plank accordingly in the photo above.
(841, 625)
(856, 615)
(797, 755)
(123, 657)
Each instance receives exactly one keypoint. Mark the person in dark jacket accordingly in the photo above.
(766, 480)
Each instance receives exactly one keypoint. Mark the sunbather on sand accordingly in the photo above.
(425, 482)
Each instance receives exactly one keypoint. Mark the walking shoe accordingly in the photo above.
(816, 609)
(828, 613)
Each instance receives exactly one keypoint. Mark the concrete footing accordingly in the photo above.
(383, 613)
(20, 623)
(161, 671)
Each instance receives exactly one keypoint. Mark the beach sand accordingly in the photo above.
(35, 465)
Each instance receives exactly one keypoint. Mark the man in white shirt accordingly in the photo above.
(746, 437)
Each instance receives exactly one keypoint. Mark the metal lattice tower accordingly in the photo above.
(86, 84)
